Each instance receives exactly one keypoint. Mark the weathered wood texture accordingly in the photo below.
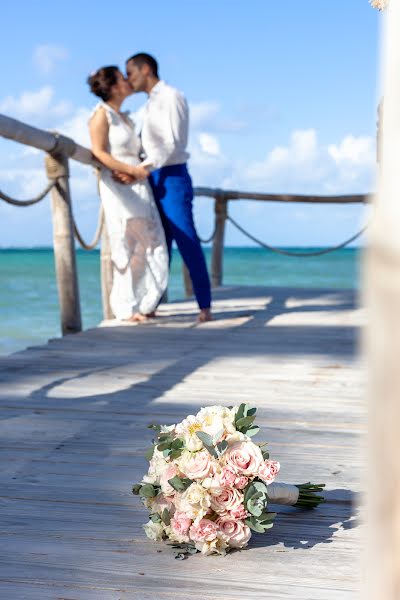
(73, 430)
(64, 246)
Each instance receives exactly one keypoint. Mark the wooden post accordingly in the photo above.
(221, 212)
(187, 282)
(64, 248)
(383, 341)
(106, 269)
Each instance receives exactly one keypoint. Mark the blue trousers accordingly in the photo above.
(173, 193)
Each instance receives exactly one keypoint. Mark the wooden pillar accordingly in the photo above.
(64, 247)
(187, 282)
(383, 341)
(221, 212)
(106, 270)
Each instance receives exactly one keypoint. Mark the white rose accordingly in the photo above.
(157, 466)
(214, 419)
(154, 531)
(187, 430)
(194, 502)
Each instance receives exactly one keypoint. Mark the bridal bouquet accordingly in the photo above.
(209, 485)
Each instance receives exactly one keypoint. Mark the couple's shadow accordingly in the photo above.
(296, 528)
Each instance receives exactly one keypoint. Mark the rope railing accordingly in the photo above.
(30, 202)
(96, 239)
(312, 253)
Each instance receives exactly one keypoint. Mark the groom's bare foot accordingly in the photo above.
(205, 315)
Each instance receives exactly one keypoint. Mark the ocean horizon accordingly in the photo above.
(29, 312)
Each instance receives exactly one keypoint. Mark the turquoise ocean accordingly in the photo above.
(28, 298)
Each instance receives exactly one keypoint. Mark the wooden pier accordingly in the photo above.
(73, 433)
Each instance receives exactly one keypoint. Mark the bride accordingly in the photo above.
(138, 249)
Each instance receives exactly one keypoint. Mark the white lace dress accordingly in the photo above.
(138, 249)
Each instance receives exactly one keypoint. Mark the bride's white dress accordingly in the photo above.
(138, 249)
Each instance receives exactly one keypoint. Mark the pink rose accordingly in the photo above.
(227, 477)
(241, 481)
(204, 531)
(180, 524)
(244, 458)
(169, 473)
(268, 471)
(226, 500)
(161, 503)
(237, 513)
(235, 532)
(197, 466)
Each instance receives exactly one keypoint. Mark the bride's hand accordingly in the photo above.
(139, 172)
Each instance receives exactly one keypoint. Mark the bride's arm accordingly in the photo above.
(98, 128)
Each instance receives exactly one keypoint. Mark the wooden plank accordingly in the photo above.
(73, 418)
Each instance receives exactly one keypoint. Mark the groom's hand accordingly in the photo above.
(123, 177)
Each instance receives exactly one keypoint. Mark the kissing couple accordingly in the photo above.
(145, 188)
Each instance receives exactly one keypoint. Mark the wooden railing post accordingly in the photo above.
(221, 212)
(187, 282)
(64, 248)
(106, 270)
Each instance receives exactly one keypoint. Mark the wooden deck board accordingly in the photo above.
(73, 417)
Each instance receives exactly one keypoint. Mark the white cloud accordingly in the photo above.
(203, 113)
(209, 144)
(35, 104)
(46, 56)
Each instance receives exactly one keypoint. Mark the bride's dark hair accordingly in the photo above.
(102, 80)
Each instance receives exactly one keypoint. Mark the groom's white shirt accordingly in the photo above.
(165, 127)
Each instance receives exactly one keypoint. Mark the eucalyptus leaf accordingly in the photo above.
(217, 436)
(155, 518)
(155, 427)
(244, 422)
(180, 484)
(149, 453)
(222, 447)
(240, 412)
(205, 438)
(177, 444)
(254, 429)
(136, 489)
(251, 412)
(255, 525)
(165, 517)
(175, 454)
(147, 491)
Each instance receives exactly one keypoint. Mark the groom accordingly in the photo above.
(164, 140)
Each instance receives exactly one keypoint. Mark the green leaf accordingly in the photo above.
(267, 517)
(155, 518)
(155, 427)
(177, 444)
(255, 525)
(136, 489)
(248, 492)
(244, 422)
(149, 453)
(175, 454)
(254, 429)
(217, 436)
(205, 438)
(180, 484)
(164, 446)
(147, 491)
(251, 412)
(165, 517)
(241, 411)
(167, 452)
(255, 507)
(265, 454)
(222, 447)
(163, 437)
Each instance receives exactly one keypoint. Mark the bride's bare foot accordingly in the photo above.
(137, 318)
(205, 315)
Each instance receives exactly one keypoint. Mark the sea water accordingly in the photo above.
(29, 312)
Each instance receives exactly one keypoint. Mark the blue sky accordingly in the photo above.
(282, 94)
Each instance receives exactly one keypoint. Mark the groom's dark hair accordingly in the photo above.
(145, 59)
